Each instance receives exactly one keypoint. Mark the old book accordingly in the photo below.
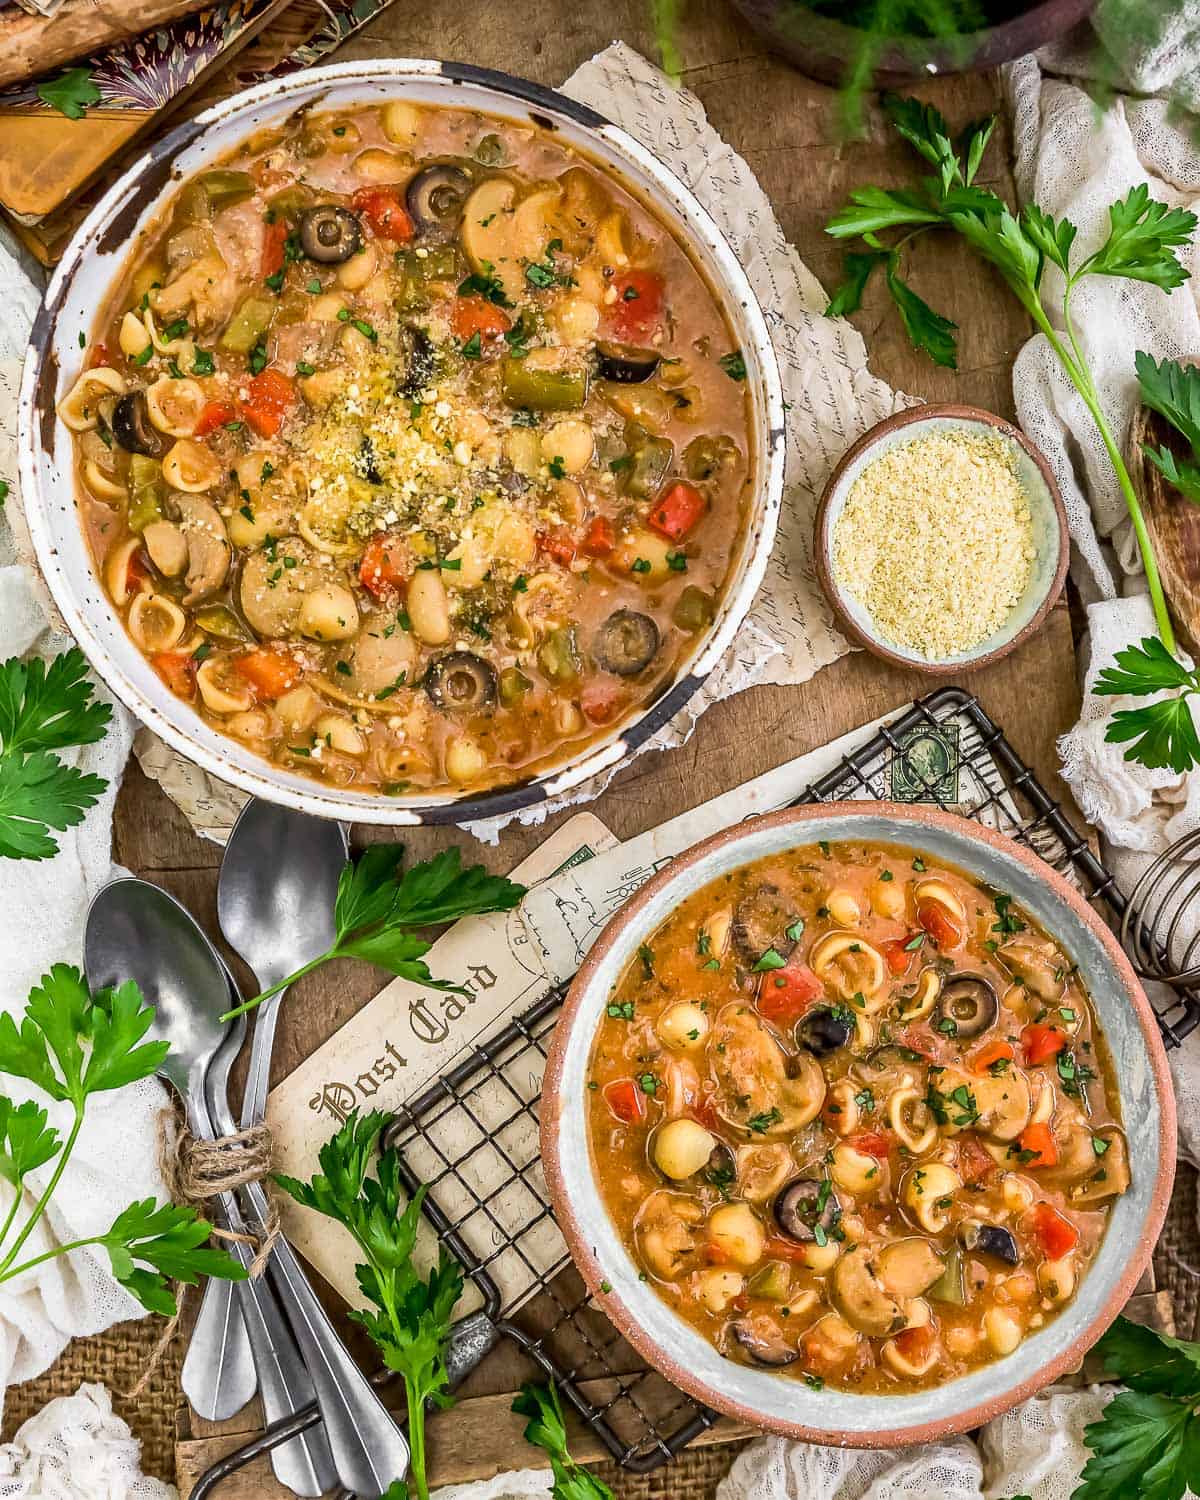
(63, 32)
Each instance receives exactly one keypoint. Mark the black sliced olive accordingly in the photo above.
(626, 643)
(422, 361)
(802, 1205)
(763, 1347)
(966, 1007)
(824, 1030)
(462, 681)
(131, 426)
(760, 923)
(435, 199)
(329, 234)
(626, 364)
(989, 1239)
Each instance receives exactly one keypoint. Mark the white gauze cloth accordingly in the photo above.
(42, 910)
(76, 1448)
(1073, 159)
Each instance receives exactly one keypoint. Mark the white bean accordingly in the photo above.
(329, 613)
(682, 1147)
(683, 1026)
(465, 760)
(428, 607)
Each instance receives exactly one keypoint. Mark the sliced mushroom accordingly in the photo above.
(132, 428)
(209, 552)
(823, 1030)
(760, 923)
(760, 1339)
(804, 1205)
(461, 682)
(966, 1008)
(435, 198)
(763, 1169)
(667, 1233)
(997, 1105)
(858, 1294)
(989, 1239)
(759, 1089)
(1110, 1175)
(329, 234)
(167, 547)
(909, 1267)
(625, 364)
(272, 594)
(626, 643)
(1037, 963)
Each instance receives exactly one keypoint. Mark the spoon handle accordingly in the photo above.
(262, 1045)
(369, 1450)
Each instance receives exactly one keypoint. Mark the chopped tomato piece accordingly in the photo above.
(777, 1248)
(992, 1053)
(214, 414)
(1056, 1234)
(975, 1163)
(898, 954)
(932, 917)
(136, 570)
(384, 212)
(270, 398)
(272, 250)
(677, 510)
(600, 538)
(471, 315)
(177, 670)
(626, 1100)
(269, 673)
(637, 312)
(98, 355)
(704, 1112)
(558, 544)
(1041, 1042)
(916, 1344)
(871, 1143)
(382, 569)
(601, 701)
(1039, 1139)
(785, 994)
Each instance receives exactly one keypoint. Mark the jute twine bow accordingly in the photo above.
(197, 1171)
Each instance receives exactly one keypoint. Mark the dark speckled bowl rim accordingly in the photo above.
(36, 411)
(823, 540)
(580, 1008)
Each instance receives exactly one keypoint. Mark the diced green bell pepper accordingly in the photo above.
(513, 686)
(147, 492)
(650, 457)
(693, 609)
(247, 325)
(949, 1287)
(291, 202)
(211, 192)
(220, 620)
(543, 390)
(559, 656)
(774, 1282)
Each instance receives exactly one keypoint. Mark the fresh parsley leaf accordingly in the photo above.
(1053, 237)
(378, 906)
(1173, 390)
(871, 209)
(1143, 1445)
(1145, 668)
(49, 707)
(547, 1429)
(72, 93)
(927, 329)
(926, 130)
(26, 1141)
(1147, 1360)
(733, 364)
(1141, 241)
(1184, 475)
(858, 267)
(1157, 734)
(169, 1240)
(38, 793)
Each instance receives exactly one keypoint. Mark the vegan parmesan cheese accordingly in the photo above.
(935, 541)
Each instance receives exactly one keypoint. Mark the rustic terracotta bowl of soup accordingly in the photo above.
(401, 442)
(858, 1124)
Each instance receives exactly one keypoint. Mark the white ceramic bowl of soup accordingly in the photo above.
(774, 1401)
(82, 283)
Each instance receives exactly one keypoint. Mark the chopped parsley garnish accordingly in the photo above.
(203, 363)
(558, 469)
(621, 1010)
(257, 358)
(1007, 921)
(473, 348)
(304, 368)
(760, 1124)
(733, 364)
(771, 959)
(647, 957)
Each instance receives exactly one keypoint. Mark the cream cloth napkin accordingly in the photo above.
(76, 1448)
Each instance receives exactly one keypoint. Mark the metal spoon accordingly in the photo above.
(136, 931)
(189, 984)
(275, 897)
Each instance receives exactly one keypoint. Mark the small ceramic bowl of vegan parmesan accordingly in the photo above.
(941, 539)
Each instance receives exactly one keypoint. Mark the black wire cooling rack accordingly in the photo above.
(471, 1136)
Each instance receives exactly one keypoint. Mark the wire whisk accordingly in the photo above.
(1160, 927)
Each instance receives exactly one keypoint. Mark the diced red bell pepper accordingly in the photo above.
(991, 1053)
(1041, 1042)
(558, 544)
(626, 1100)
(975, 1163)
(777, 1248)
(871, 1143)
(637, 312)
(98, 355)
(214, 414)
(1038, 1138)
(677, 510)
(601, 701)
(269, 673)
(382, 569)
(1056, 1234)
(471, 315)
(600, 538)
(271, 396)
(385, 213)
(931, 915)
(916, 1344)
(177, 670)
(898, 955)
(785, 994)
(272, 250)
(136, 569)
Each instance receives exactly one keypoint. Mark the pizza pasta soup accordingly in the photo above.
(853, 1117)
(412, 450)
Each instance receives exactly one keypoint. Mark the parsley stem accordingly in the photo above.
(314, 963)
(40, 1206)
(18, 1195)
(95, 1239)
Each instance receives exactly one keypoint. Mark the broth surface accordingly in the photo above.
(412, 449)
(853, 1117)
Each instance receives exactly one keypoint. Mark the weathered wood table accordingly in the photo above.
(786, 129)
